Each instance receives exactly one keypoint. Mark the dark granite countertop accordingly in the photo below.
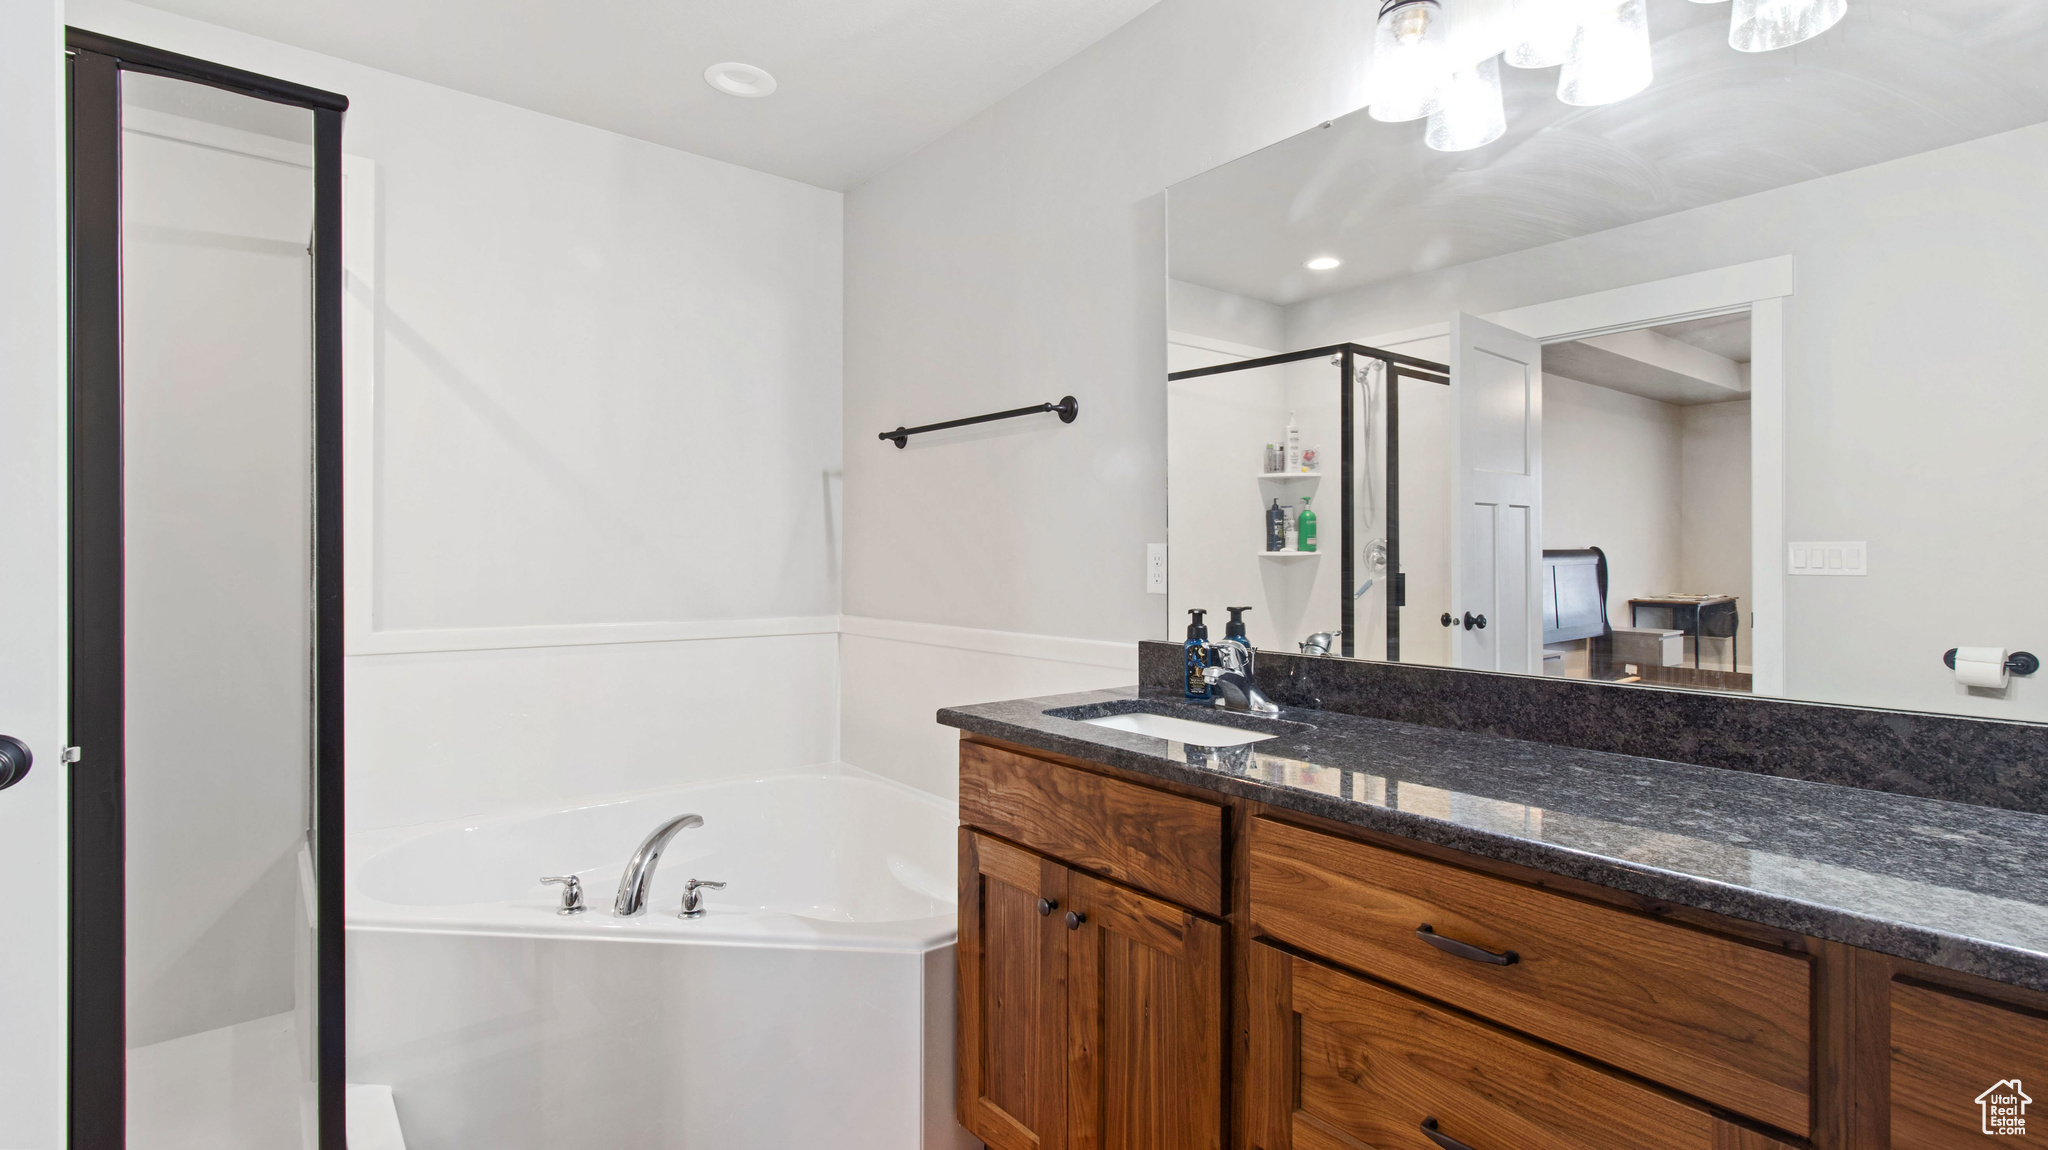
(1949, 884)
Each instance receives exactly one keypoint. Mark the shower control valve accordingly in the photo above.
(572, 892)
(693, 903)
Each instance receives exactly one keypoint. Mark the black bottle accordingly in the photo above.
(1196, 654)
(1276, 528)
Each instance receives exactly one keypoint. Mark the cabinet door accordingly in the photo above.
(1145, 1022)
(1013, 1000)
(1964, 1069)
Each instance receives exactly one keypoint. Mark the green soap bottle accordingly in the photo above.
(1305, 527)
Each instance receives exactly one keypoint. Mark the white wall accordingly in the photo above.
(1612, 479)
(606, 405)
(1714, 540)
(217, 330)
(32, 627)
(1909, 333)
(1022, 258)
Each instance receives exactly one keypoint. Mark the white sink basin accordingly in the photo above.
(1179, 730)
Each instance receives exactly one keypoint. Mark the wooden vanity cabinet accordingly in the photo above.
(1385, 994)
(1091, 1014)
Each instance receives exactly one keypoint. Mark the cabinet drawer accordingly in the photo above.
(1341, 1063)
(1961, 1068)
(1155, 841)
(1719, 1019)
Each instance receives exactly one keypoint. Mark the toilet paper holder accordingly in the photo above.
(2017, 663)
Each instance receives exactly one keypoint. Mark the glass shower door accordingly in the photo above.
(217, 417)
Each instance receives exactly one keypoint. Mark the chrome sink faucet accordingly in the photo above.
(1231, 677)
(639, 876)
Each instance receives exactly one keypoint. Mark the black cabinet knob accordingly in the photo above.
(15, 761)
(1074, 919)
(1447, 620)
(1472, 621)
(1047, 905)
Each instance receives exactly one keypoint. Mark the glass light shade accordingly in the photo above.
(1469, 110)
(1610, 57)
(1407, 59)
(1543, 32)
(1766, 25)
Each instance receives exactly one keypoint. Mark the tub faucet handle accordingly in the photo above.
(572, 892)
(693, 903)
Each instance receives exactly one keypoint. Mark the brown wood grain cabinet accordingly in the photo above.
(1716, 1017)
(1091, 1014)
(1234, 974)
(1961, 1069)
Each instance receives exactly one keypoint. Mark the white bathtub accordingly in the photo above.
(812, 1005)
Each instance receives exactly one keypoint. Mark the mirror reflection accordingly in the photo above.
(1671, 342)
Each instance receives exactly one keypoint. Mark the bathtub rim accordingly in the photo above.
(769, 930)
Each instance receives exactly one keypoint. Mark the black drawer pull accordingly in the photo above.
(1047, 905)
(1442, 1139)
(1074, 919)
(1465, 950)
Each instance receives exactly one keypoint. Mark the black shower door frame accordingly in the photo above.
(97, 1056)
(1398, 367)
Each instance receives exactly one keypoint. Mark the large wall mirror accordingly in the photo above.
(1672, 358)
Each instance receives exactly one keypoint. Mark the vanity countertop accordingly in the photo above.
(1949, 884)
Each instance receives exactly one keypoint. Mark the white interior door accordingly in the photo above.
(1497, 471)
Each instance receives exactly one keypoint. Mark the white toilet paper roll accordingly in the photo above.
(1981, 666)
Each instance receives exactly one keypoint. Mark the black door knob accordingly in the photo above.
(14, 761)
(1047, 905)
(1074, 919)
(1472, 621)
(1447, 620)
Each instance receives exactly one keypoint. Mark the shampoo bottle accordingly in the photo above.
(1293, 444)
(1276, 528)
(1305, 527)
(1195, 653)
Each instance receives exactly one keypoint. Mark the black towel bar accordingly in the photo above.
(1067, 408)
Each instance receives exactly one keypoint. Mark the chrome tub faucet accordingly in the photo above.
(639, 876)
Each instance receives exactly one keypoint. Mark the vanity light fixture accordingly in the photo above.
(1469, 111)
(737, 79)
(1543, 32)
(1767, 25)
(1419, 69)
(1407, 59)
(1610, 56)
(1323, 264)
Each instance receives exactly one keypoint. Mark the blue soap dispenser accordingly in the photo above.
(1233, 631)
(1195, 652)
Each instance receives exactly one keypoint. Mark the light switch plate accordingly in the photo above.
(1155, 568)
(1827, 559)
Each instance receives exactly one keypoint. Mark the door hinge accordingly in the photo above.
(71, 754)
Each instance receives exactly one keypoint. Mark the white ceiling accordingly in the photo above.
(1894, 78)
(861, 83)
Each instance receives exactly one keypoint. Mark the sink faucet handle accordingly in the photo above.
(572, 891)
(693, 903)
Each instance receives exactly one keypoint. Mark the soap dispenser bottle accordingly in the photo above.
(1305, 527)
(1276, 527)
(1233, 631)
(1195, 653)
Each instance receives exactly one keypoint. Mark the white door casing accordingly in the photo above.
(32, 571)
(1497, 461)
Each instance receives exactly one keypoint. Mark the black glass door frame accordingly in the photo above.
(97, 1057)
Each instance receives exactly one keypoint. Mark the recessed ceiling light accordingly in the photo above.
(737, 79)
(1323, 263)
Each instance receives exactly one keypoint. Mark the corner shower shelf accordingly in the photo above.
(1289, 554)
